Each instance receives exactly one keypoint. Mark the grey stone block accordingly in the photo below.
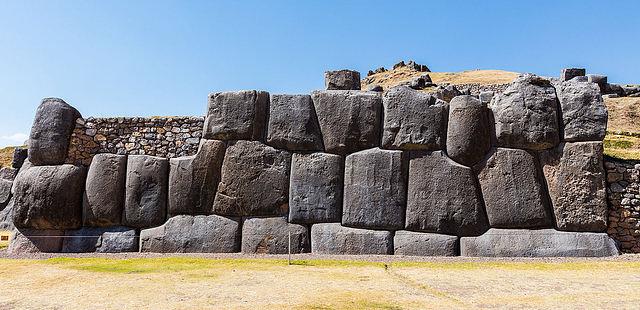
(35, 241)
(293, 124)
(5, 192)
(6, 216)
(239, 115)
(331, 238)
(424, 244)
(468, 131)
(599, 79)
(271, 236)
(51, 132)
(570, 73)
(104, 191)
(103, 240)
(146, 191)
(342, 80)
(584, 114)
(19, 156)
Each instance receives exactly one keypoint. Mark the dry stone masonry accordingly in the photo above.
(516, 171)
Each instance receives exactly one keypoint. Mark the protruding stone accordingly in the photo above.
(375, 88)
(424, 244)
(49, 197)
(447, 93)
(104, 192)
(512, 190)
(331, 238)
(239, 115)
(448, 201)
(349, 120)
(271, 236)
(19, 156)
(485, 97)
(255, 181)
(375, 189)
(576, 179)
(293, 124)
(315, 191)
(526, 114)
(538, 243)
(146, 191)
(51, 132)
(599, 79)
(570, 73)
(35, 241)
(102, 240)
(342, 80)
(468, 131)
(193, 234)
(413, 120)
(584, 114)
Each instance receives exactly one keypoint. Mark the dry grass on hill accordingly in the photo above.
(6, 156)
(623, 129)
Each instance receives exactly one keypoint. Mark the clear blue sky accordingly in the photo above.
(141, 58)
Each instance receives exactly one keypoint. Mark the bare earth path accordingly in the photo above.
(146, 281)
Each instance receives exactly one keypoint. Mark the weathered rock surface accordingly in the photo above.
(104, 191)
(342, 80)
(49, 197)
(8, 174)
(447, 93)
(526, 114)
(193, 234)
(35, 241)
(576, 180)
(315, 190)
(239, 115)
(468, 131)
(584, 114)
(448, 201)
(424, 244)
(293, 124)
(102, 240)
(51, 132)
(570, 73)
(413, 120)
(512, 190)
(331, 238)
(255, 181)
(349, 120)
(146, 191)
(19, 156)
(193, 180)
(375, 189)
(5, 192)
(538, 243)
(271, 236)
(599, 79)
(6, 216)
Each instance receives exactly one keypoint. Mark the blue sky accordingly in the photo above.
(143, 58)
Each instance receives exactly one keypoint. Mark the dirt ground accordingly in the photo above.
(234, 281)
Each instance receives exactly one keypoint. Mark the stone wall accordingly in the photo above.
(623, 180)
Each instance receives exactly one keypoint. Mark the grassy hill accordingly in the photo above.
(6, 156)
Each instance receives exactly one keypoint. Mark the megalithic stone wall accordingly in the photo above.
(341, 171)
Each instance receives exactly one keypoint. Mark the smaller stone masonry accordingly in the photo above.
(623, 192)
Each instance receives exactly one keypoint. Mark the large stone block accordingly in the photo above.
(526, 114)
(584, 114)
(193, 234)
(331, 238)
(102, 240)
(315, 190)
(569, 73)
(51, 132)
(443, 197)
(255, 181)
(413, 120)
(19, 156)
(35, 241)
(538, 243)
(146, 191)
(468, 131)
(49, 197)
(349, 120)
(239, 115)
(5, 192)
(293, 124)
(424, 244)
(6, 216)
(271, 236)
(375, 189)
(576, 180)
(104, 191)
(193, 180)
(512, 189)
(342, 80)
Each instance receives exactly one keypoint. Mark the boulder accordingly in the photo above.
(193, 234)
(193, 180)
(599, 79)
(512, 190)
(538, 243)
(104, 191)
(447, 93)
(349, 120)
(570, 73)
(5, 192)
(271, 236)
(485, 97)
(102, 240)
(293, 124)
(526, 114)
(424, 244)
(255, 181)
(413, 120)
(342, 80)
(6, 216)
(49, 197)
(331, 238)
(448, 201)
(51, 132)
(375, 189)
(8, 174)
(375, 88)
(576, 179)
(19, 156)
(315, 190)
(239, 115)
(584, 115)
(35, 241)
(145, 203)
(468, 131)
